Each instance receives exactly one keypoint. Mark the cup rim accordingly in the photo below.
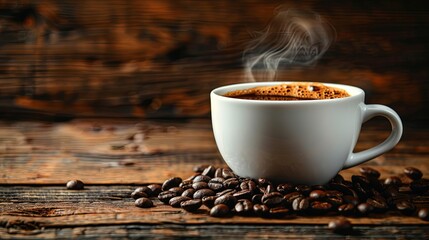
(217, 92)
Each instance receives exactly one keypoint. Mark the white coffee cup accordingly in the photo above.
(301, 141)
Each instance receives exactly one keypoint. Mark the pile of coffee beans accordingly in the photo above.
(227, 194)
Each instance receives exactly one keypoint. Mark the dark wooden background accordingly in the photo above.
(152, 59)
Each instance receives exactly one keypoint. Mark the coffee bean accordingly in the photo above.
(413, 173)
(243, 194)
(393, 181)
(227, 173)
(263, 182)
(317, 194)
(215, 186)
(272, 199)
(369, 172)
(300, 204)
(257, 199)
(290, 197)
(170, 183)
(378, 204)
(218, 173)
(304, 189)
(337, 179)
(189, 193)
(228, 200)
(200, 185)
(177, 190)
(285, 188)
(333, 193)
(165, 196)
(191, 205)
(261, 210)
(248, 185)
(243, 207)
(75, 185)
(186, 184)
(209, 171)
(335, 201)
(320, 206)
(341, 226)
(423, 214)
(209, 201)
(231, 183)
(155, 188)
(346, 208)
(202, 178)
(343, 187)
(226, 192)
(420, 186)
(143, 202)
(269, 189)
(175, 201)
(351, 199)
(220, 210)
(138, 193)
(203, 193)
(217, 180)
(405, 206)
(364, 208)
(278, 212)
(199, 168)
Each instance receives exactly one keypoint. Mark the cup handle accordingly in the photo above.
(368, 112)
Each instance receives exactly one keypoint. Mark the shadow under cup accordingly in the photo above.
(299, 141)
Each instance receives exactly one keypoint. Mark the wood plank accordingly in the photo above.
(146, 59)
(136, 152)
(107, 205)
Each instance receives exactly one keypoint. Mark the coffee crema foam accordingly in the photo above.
(289, 91)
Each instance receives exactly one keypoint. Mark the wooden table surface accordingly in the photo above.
(112, 157)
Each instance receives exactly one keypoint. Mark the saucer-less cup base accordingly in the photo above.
(304, 142)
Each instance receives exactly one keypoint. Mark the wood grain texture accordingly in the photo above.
(160, 59)
(113, 157)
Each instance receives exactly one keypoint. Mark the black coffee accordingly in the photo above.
(288, 92)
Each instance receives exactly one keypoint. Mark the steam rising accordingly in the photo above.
(291, 38)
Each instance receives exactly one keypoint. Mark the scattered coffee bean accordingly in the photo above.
(341, 226)
(272, 199)
(420, 186)
(278, 212)
(300, 204)
(200, 185)
(176, 201)
(171, 183)
(199, 168)
(75, 185)
(203, 193)
(405, 206)
(189, 193)
(155, 188)
(413, 173)
(261, 210)
(228, 200)
(139, 193)
(423, 214)
(243, 207)
(191, 205)
(369, 172)
(346, 208)
(224, 193)
(201, 178)
(209, 201)
(177, 190)
(143, 202)
(165, 196)
(317, 194)
(209, 171)
(364, 208)
(220, 210)
(393, 181)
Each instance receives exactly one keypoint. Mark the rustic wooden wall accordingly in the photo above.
(161, 58)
